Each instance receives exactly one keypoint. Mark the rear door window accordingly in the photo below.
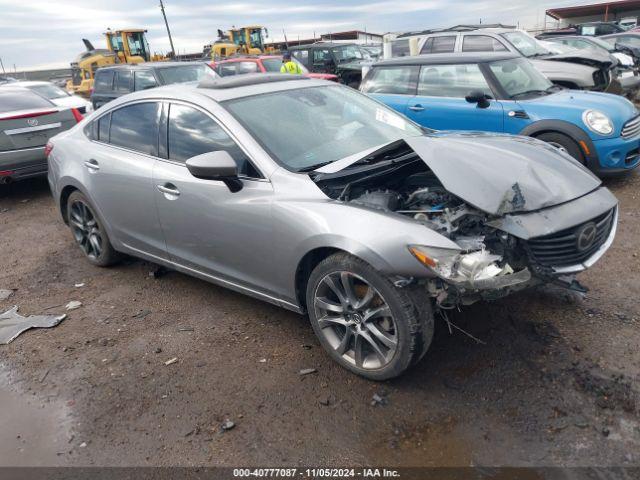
(104, 81)
(136, 127)
(399, 80)
(123, 81)
(144, 79)
(439, 45)
(192, 132)
(482, 43)
(455, 81)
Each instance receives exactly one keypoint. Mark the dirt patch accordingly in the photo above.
(553, 383)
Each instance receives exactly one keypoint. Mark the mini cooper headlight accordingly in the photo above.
(597, 122)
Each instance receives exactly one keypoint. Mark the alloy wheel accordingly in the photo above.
(560, 147)
(355, 320)
(85, 229)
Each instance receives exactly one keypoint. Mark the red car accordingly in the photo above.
(260, 64)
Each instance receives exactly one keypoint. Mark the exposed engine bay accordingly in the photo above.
(490, 262)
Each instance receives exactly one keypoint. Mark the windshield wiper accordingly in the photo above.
(311, 168)
(529, 92)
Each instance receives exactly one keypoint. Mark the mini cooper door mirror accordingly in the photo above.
(478, 97)
(218, 166)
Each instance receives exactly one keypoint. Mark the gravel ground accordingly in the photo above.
(556, 381)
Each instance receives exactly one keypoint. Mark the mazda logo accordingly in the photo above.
(32, 121)
(586, 236)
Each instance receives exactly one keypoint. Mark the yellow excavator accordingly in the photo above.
(239, 41)
(123, 46)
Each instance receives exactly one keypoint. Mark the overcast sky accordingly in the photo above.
(47, 34)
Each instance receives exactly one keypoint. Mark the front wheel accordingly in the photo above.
(365, 323)
(564, 144)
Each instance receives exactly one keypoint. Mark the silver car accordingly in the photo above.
(27, 122)
(314, 197)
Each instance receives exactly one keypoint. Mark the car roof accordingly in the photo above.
(151, 65)
(321, 45)
(487, 28)
(248, 58)
(227, 88)
(446, 58)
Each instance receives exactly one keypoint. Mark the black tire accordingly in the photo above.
(567, 143)
(411, 319)
(88, 231)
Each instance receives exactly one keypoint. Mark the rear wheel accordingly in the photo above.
(365, 323)
(564, 144)
(89, 232)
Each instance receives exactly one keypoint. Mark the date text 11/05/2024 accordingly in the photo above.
(316, 472)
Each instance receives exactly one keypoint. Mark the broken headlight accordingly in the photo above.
(456, 266)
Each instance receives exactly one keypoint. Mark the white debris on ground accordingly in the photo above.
(13, 324)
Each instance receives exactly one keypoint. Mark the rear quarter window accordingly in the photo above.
(104, 81)
(21, 100)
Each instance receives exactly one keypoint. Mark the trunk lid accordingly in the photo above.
(32, 128)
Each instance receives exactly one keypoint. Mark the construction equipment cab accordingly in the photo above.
(239, 41)
(130, 46)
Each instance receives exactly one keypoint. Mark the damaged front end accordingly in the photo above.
(517, 221)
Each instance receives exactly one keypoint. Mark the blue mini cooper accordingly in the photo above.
(503, 92)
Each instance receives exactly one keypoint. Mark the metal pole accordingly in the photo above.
(173, 50)
(2, 65)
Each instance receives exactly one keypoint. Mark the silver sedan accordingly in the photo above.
(314, 197)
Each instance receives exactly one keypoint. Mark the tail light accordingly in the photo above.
(48, 149)
(77, 115)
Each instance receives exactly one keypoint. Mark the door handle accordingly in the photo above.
(169, 189)
(416, 108)
(92, 165)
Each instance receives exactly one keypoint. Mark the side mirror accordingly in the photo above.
(478, 97)
(218, 166)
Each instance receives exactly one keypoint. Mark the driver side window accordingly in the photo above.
(455, 81)
(192, 132)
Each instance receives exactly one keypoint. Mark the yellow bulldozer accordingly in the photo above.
(123, 46)
(239, 41)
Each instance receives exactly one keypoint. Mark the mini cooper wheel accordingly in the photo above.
(564, 144)
(367, 324)
(88, 231)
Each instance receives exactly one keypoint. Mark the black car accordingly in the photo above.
(113, 82)
(342, 59)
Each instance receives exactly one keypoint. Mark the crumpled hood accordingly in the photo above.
(595, 58)
(501, 174)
